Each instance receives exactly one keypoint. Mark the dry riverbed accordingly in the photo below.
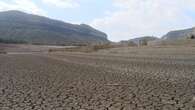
(116, 79)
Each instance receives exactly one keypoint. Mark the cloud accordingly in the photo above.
(22, 5)
(135, 18)
(62, 3)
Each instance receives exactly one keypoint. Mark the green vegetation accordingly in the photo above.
(11, 41)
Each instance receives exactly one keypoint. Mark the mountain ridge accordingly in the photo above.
(17, 25)
(179, 34)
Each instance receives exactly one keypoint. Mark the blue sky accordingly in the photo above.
(86, 10)
(84, 13)
(120, 19)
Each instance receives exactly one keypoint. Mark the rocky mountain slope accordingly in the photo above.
(180, 34)
(16, 26)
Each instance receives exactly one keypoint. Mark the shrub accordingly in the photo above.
(102, 46)
(2, 51)
(192, 37)
(86, 49)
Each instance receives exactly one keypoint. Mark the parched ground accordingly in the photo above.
(116, 79)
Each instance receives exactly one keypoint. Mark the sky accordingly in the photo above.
(119, 19)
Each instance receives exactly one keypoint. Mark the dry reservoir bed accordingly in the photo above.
(118, 79)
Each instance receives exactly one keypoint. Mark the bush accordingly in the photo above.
(85, 49)
(3, 52)
(103, 46)
(11, 41)
(192, 37)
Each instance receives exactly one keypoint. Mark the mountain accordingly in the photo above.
(127, 43)
(180, 34)
(16, 26)
(144, 39)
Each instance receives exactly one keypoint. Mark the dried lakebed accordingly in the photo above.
(75, 81)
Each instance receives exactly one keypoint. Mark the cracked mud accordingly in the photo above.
(99, 81)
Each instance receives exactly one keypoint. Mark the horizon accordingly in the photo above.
(119, 19)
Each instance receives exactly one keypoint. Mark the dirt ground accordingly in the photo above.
(144, 78)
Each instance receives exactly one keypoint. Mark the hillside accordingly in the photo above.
(143, 39)
(180, 34)
(16, 26)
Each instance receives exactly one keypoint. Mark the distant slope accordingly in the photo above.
(145, 38)
(127, 43)
(179, 34)
(21, 27)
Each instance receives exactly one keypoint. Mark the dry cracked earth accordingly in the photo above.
(116, 79)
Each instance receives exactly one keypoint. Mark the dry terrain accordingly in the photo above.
(144, 78)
